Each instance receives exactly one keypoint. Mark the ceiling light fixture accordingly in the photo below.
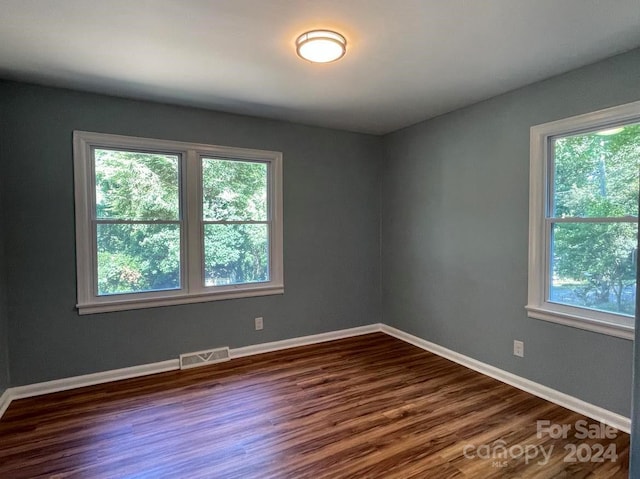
(321, 46)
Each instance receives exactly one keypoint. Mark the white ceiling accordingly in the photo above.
(407, 60)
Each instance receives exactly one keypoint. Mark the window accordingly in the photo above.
(161, 222)
(583, 220)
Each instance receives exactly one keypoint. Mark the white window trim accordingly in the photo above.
(192, 273)
(537, 306)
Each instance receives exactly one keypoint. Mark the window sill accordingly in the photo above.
(129, 304)
(581, 322)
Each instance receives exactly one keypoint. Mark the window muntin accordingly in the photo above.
(583, 221)
(161, 222)
(593, 219)
(236, 221)
(137, 222)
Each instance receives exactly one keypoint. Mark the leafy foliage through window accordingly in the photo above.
(138, 221)
(583, 220)
(236, 247)
(594, 219)
(160, 221)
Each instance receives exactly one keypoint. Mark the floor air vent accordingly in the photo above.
(202, 358)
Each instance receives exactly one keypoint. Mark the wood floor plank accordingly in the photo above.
(365, 407)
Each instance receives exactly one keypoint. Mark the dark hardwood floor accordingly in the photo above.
(364, 407)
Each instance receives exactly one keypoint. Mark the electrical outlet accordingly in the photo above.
(518, 348)
(259, 324)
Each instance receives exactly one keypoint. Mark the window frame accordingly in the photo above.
(193, 289)
(541, 172)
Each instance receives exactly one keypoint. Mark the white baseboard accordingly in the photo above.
(304, 340)
(74, 382)
(597, 413)
(38, 389)
(5, 400)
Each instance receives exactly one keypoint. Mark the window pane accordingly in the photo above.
(594, 266)
(137, 186)
(139, 257)
(596, 174)
(234, 190)
(236, 254)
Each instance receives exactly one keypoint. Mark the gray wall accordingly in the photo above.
(455, 235)
(4, 333)
(454, 220)
(331, 225)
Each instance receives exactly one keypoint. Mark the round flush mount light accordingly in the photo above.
(321, 46)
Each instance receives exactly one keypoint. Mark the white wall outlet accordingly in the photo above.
(518, 348)
(259, 324)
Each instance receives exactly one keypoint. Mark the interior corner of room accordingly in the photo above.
(421, 233)
(452, 253)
